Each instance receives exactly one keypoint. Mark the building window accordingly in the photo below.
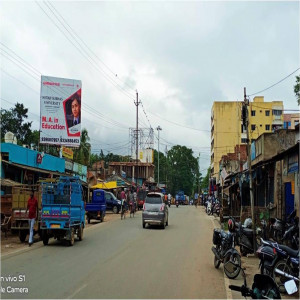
(253, 113)
(267, 113)
(267, 127)
(276, 112)
(244, 141)
(243, 128)
(253, 127)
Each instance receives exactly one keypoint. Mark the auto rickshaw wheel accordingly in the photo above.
(72, 237)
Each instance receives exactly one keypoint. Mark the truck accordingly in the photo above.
(97, 208)
(19, 217)
(180, 197)
(62, 213)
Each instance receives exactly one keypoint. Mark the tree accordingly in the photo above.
(297, 89)
(82, 154)
(13, 120)
(183, 169)
(205, 181)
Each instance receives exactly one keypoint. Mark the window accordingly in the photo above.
(253, 127)
(243, 128)
(244, 141)
(276, 112)
(267, 127)
(252, 113)
(267, 113)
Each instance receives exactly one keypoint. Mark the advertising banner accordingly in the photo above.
(67, 152)
(60, 107)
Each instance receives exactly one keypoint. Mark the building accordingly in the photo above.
(227, 130)
(290, 121)
(137, 173)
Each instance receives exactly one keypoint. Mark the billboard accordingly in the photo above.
(60, 107)
(145, 155)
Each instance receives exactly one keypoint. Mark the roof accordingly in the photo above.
(32, 168)
(9, 182)
(105, 185)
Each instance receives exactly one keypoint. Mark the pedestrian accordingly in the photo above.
(32, 206)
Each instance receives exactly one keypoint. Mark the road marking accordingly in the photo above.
(77, 291)
(226, 280)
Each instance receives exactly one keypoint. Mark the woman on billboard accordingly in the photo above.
(74, 118)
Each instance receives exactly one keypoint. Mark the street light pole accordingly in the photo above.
(158, 129)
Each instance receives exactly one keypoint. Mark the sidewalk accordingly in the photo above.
(251, 266)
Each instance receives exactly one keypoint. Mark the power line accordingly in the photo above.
(274, 83)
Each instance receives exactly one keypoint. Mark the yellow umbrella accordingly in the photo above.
(105, 185)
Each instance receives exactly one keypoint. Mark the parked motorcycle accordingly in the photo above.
(291, 235)
(216, 208)
(209, 208)
(224, 251)
(263, 286)
(280, 226)
(279, 261)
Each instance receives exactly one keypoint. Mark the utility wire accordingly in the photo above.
(274, 83)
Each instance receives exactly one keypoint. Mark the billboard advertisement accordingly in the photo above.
(145, 155)
(60, 107)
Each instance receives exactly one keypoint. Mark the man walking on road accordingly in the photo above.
(32, 206)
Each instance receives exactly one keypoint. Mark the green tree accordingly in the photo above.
(183, 169)
(14, 120)
(82, 154)
(205, 181)
(297, 89)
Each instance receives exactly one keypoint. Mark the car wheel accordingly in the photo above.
(115, 209)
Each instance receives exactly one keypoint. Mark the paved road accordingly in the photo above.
(120, 259)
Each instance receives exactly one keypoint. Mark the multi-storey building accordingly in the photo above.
(290, 121)
(227, 130)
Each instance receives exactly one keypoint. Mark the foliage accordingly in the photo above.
(205, 181)
(82, 154)
(14, 120)
(183, 169)
(297, 89)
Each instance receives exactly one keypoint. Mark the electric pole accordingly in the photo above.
(137, 136)
(158, 129)
(245, 116)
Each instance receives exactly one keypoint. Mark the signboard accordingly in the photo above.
(69, 165)
(39, 158)
(60, 108)
(80, 170)
(145, 155)
(67, 152)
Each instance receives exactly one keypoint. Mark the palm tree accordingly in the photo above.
(82, 155)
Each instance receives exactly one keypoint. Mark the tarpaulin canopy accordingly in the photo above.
(105, 185)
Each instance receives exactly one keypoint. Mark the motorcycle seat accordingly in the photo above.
(289, 251)
(248, 232)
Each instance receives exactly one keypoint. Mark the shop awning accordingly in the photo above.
(105, 185)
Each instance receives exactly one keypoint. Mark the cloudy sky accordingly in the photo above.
(180, 57)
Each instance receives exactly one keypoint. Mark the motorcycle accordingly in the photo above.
(263, 286)
(279, 226)
(209, 208)
(216, 208)
(280, 262)
(245, 236)
(177, 203)
(291, 235)
(224, 251)
(169, 203)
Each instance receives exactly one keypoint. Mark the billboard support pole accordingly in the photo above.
(137, 135)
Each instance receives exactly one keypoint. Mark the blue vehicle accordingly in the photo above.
(180, 197)
(97, 208)
(63, 213)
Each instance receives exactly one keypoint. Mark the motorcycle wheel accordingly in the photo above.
(281, 279)
(236, 259)
(216, 262)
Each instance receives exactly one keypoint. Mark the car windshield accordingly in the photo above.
(153, 199)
